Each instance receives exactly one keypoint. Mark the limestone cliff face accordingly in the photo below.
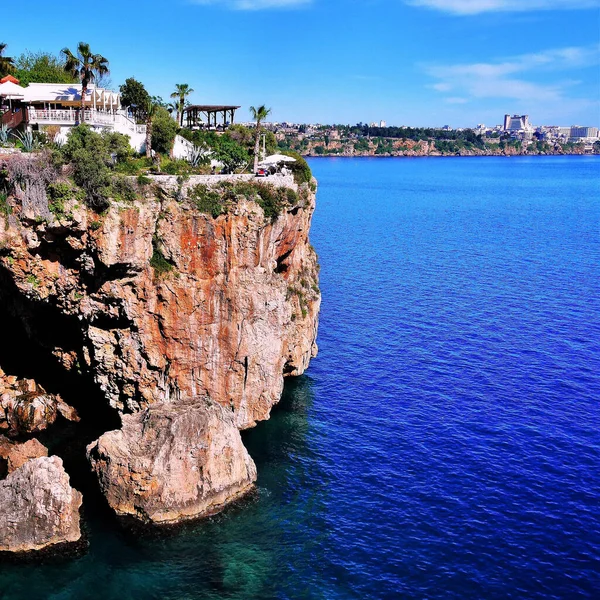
(236, 311)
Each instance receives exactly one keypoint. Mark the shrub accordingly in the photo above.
(175, 167)
(158, 261)
(5, 208)
(164, 130)
(207, 200)
(91, 173)
(61, 193)
(117, 144)
(95, 225)
(143, 180)
(300, 169)
(123, 189)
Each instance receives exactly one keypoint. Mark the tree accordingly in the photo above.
(259, 115)
(87, 66)
(231, 154)
(42, 67)
(135, 96)
(164, 130)
(7, 65)
(182, 91)
(150, 110)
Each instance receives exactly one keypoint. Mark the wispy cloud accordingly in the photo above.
(537, 81)
(255, 4)
(473, 7)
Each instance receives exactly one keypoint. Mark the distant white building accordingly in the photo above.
(517, 124)
(382, 124)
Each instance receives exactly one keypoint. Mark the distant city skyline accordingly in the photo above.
(407, 62)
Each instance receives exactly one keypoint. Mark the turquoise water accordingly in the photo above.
(445, 443)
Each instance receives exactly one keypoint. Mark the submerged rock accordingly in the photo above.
(173, 462)
(38, 507)
(14, 455)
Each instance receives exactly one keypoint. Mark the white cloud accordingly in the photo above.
(473, 7)
(542, 79)
(255, 4)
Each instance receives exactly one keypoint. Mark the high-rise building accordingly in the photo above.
(583, 132)
(517, 123)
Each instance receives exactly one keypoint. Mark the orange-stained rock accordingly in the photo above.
(14, 455)
(237, 312)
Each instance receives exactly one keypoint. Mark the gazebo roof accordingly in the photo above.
(209, 108)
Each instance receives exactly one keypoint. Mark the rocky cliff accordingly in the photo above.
(171, 308)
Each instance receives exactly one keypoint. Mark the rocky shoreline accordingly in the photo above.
(187, 324)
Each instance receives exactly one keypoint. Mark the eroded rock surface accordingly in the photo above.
(173, 462)
(25, 407)
(237, 311)
(38, 507)
(15, 454)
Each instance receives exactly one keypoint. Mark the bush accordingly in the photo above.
(231, 154)
(91, 173)
(123, 189)
(158, 261)
(61, 193)
(300, 169)
(207, 200)
(164, 130)
(175, 167)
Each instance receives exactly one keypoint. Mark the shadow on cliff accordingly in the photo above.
(29, 330)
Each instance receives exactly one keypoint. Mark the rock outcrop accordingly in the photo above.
(169, 463)
(38, 507)
(15, 454)
(163, 304)
(235, 310)
(26, 408)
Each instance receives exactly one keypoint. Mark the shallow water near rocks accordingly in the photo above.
(445, 443)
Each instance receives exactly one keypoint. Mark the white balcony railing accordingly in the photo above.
(117, 121)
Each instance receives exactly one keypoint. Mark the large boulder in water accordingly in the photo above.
(173, 462)
(38, 507)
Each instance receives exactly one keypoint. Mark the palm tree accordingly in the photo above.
(150, 110)
(7, 65)
(259, 115)
(85, 66)
(182, 91)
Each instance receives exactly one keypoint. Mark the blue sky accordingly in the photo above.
(409, 62)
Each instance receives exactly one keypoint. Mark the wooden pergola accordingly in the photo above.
(201, 114)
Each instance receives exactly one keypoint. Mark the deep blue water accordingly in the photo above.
(446, 441)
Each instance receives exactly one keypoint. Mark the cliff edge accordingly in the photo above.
(185, 295)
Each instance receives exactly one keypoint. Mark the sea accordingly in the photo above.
(445, 443)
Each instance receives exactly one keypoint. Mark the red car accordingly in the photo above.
(262, 172)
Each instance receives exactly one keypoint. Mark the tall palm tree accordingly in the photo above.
(182, 91)
(7, 65)
(86, 66)
(259, 115)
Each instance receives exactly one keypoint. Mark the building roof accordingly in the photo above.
(59, 92)
(9, 78)
(209, 108)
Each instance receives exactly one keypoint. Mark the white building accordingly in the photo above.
(58, 105)
(517, 123)
(40, 105)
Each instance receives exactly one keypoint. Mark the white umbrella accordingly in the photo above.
(11, 90)
(275, 159)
